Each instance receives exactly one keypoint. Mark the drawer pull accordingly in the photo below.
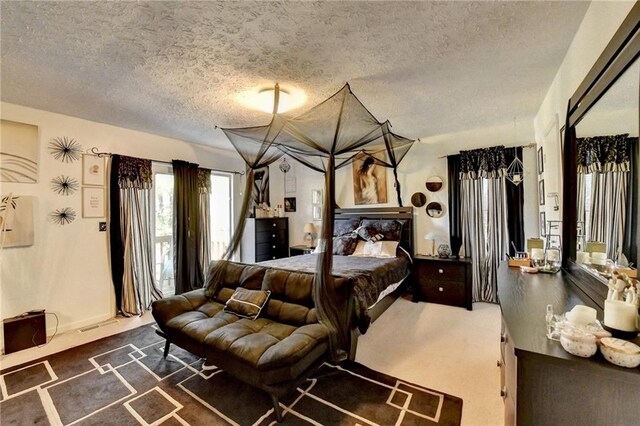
(273, 235)
(273, 246)
(273, 257)
(503, 392)
(498, 363)
(440, 289)
(274, 224)
(440, 271)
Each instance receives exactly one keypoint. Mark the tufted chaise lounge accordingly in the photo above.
(275, 352)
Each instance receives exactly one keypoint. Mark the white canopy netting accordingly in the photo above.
(325, 138)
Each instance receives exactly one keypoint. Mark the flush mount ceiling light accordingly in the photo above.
(267, 99)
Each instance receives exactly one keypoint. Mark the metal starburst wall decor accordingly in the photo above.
(65, 149)
(64, 185)
(63, 216)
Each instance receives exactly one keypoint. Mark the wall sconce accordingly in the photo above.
(554, 195)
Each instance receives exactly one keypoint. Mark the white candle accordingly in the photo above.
(620, 315)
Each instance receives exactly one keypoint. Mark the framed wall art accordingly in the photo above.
(93, 170)
(541, 192)
(93, 203)
(19, 152)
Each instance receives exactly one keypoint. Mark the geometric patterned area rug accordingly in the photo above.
(124, 380)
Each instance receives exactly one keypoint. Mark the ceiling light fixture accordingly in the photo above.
(274, 99)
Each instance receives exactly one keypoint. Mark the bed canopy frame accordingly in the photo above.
(325, 138)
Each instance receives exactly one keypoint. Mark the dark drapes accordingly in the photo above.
(116, 246)
(630, 245)
(187, 269)
(515, 205)
(455, 217)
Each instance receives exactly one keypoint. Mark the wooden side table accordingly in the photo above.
(298, 250)
(443, 281)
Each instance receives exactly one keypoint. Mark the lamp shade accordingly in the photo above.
(309, 228)
(431, 236)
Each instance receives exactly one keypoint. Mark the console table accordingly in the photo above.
(541, 383)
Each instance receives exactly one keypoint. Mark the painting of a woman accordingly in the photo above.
(369, 181)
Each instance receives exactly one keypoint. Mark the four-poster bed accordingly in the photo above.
(312, 315)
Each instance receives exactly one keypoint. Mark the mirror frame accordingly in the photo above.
(621, 52)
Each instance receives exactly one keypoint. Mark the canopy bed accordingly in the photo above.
(315, 306)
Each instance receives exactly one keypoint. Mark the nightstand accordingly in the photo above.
(443, 281)
(298, 250)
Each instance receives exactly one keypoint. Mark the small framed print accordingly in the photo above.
(541, 192)
(290, 204)
(540, 161)
(92, 170)
(93, 205)
(543, 224)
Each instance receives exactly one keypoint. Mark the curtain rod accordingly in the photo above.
(531, 145)
(95, 151)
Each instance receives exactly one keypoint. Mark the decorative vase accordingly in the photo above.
(444, 251)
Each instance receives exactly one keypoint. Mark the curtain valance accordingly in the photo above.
(134, 173)
(604, 153)
(483, 163)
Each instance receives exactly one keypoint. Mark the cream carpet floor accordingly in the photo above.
(442, 347)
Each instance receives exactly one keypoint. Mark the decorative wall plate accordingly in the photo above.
(434, 184)
(435, 209)
(418, 199)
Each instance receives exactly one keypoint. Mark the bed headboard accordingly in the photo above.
(401, 213)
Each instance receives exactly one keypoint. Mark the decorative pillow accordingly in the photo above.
(345, 227)
(344, 245)
(247, 303)
(390, 229)
(383, 249)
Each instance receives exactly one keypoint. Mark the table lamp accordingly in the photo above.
(309, 230)
(430, 238)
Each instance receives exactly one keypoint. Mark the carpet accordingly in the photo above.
(124, 380)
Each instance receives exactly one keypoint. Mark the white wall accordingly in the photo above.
(66, 271)
(598, 26)
(422, 162)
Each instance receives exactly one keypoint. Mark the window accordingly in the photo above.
(163, 228)
(221, 213)
(220, 221)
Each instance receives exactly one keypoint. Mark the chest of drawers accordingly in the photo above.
(265, 239)
(444, 281)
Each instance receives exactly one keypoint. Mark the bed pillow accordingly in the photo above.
(381, 249)
(345, 227)
(247, 303)
(343, 246)
(389, 229)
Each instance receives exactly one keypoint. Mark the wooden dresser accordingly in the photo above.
(444, 281)
(541, 383)
(265, 239)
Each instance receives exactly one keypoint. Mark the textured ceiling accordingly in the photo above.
(178, 68)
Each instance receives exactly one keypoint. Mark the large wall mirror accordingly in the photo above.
(602, 162)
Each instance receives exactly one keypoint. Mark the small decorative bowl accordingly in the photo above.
(578, 343)
(620, 352)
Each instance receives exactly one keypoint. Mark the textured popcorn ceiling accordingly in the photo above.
(177, 68)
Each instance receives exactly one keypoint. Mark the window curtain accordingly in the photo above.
(455, 214)
(487, 251)
(515, 205)
(607, 158)
(131, 244)
(204, 213)
(186, 227)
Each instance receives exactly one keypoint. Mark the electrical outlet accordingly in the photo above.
(102, 226)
